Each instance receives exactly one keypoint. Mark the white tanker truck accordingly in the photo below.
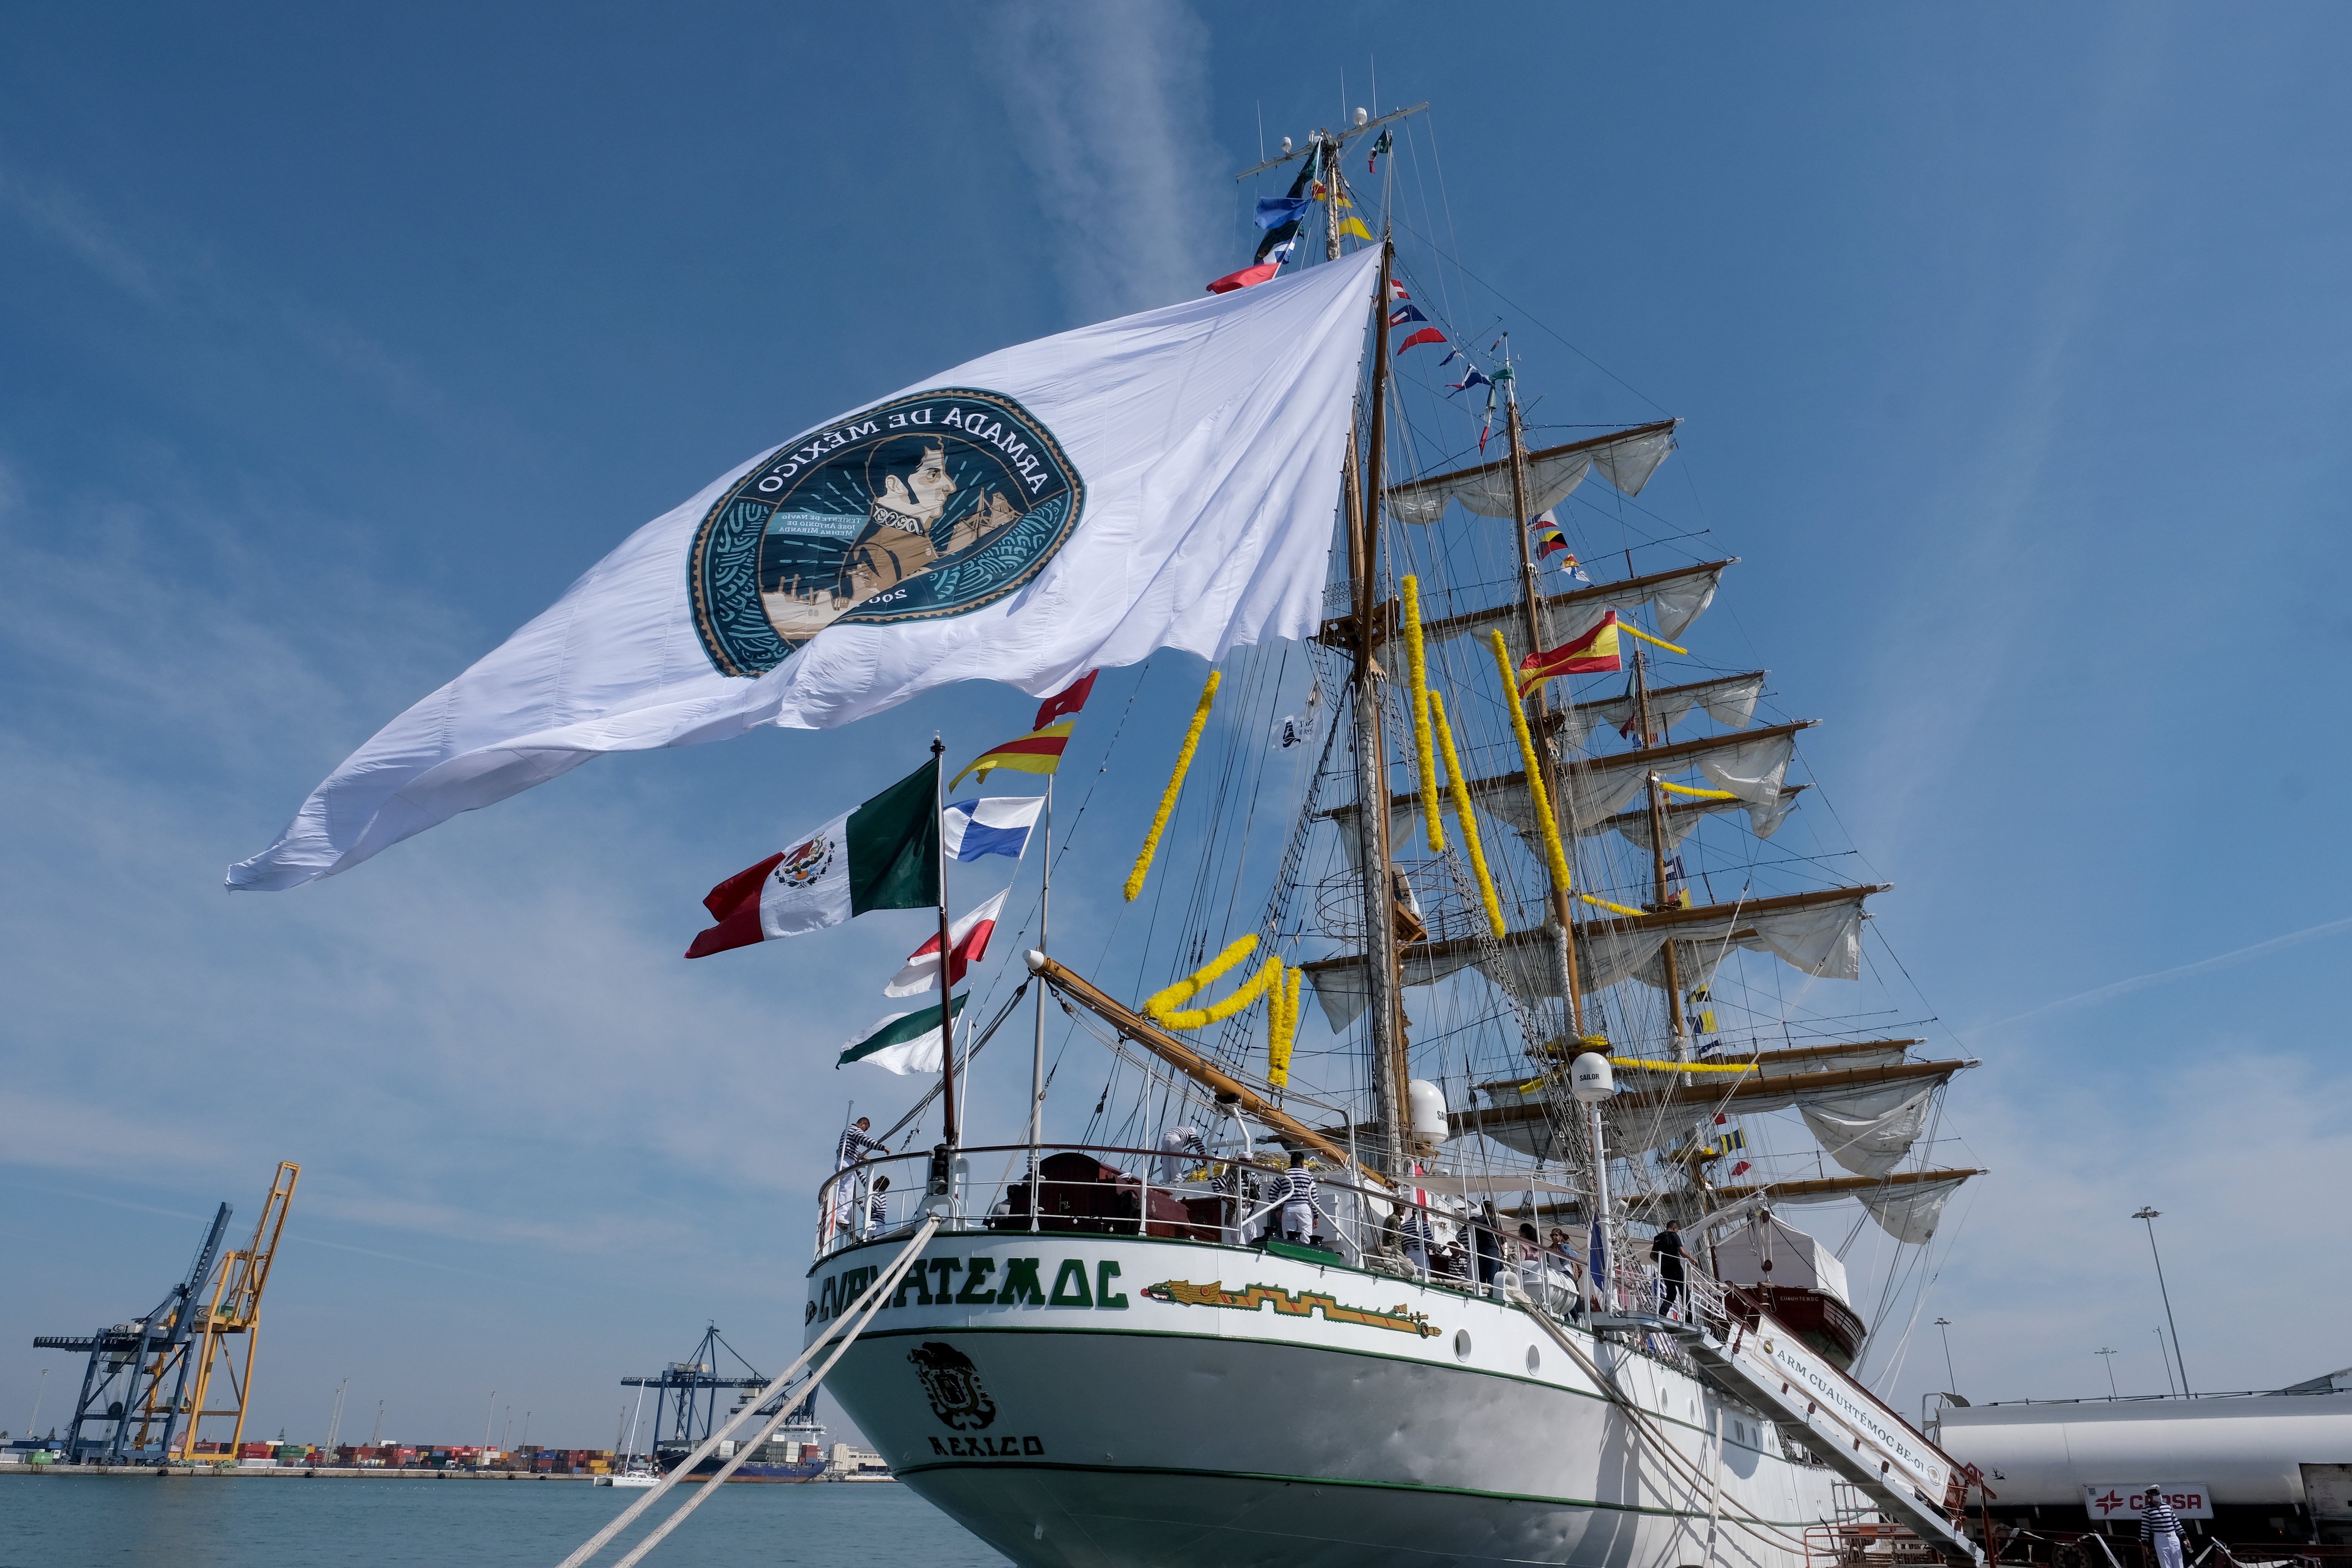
(2253, 1468)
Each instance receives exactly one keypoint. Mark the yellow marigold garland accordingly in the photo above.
(1696, 794)
(1163, 1003)
(1282, 1024)
(1175, 783)
(1424, 751)
(1459, 784)
(1613, 909)
(1167, 1006)
(1556, 855)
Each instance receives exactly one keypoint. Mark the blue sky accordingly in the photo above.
(2010, 343)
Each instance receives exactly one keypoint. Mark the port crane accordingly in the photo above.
(686, 1393)
(148, 1381)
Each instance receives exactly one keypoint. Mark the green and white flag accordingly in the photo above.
(903, 1042)
(882, 856)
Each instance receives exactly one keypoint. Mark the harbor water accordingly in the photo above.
(87, 1521)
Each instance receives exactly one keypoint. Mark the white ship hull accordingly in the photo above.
(1089, 1414)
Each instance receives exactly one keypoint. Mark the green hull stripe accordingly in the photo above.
(984, 1463)
(894, 845)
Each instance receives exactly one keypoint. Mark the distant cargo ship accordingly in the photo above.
(789, 1456)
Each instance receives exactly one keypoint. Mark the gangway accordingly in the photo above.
(1840, 1422)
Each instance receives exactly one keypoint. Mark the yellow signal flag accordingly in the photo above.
(1355, 225)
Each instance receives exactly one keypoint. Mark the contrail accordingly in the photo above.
(2136, 981)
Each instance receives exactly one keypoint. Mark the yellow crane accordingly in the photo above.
(235, 1308)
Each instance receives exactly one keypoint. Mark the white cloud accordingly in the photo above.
(1110, 107)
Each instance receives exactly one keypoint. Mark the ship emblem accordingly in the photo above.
(925, 506)
(806, 863)
(952, 1385)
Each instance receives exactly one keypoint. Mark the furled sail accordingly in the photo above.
(1675, 598)
(1869, 1131)
(1729, 700)
(1906, 1205)
(1683, 817)
(1626, 459)
(1518, 1114)
(1343, 985)
(1750, 765)
(1816, 1058)
(1909, 1214)
(1819, 932)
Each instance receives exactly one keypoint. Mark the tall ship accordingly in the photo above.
(1495, 1253)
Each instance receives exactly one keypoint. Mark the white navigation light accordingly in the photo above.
(1590, 1079)
(1363, 115)
(1286, 145)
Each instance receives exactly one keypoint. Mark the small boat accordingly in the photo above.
(633, 1477)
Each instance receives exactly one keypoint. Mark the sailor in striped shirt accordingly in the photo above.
(856, 1143)
(2161, 1527)
(1298, 1204)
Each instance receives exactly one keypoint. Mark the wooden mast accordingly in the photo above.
(1658, 860)
(1390, 1072)
(1561, 907)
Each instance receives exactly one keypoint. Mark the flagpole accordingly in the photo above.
(947, 1016)
(1037, 1052)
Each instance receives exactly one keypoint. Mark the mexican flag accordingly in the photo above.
(882, 856)
(903, 1042)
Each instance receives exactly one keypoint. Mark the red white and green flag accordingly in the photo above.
(882, 856)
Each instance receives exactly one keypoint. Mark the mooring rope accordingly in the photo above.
(865, 1306)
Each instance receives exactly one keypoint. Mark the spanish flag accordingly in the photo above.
(1591, 654)
(1038, 751)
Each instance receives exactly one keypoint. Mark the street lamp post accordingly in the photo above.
(1952, 1379)
(2109, 1357)
(2151, 1215)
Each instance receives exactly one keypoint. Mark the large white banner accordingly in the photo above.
(1164, 480)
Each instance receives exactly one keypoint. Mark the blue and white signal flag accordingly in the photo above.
(998, 824)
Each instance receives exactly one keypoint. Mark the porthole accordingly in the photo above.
(1461, 1344)
(1535, 1360)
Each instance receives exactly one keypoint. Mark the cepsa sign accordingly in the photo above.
(2188, 1500)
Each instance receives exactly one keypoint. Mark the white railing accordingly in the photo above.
(1110, 1190)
